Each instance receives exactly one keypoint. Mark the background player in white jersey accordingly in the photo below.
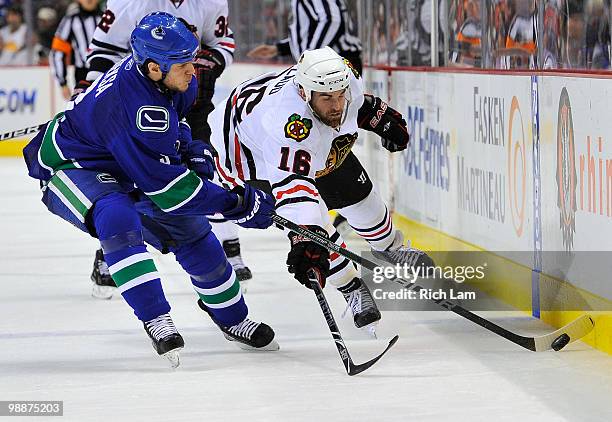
(209, 20)
(295, 130)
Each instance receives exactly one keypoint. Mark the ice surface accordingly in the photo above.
(58, 343)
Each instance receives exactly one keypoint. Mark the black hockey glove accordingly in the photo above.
(306, 254)
(209, 64)
(377, 116)
(209, 61)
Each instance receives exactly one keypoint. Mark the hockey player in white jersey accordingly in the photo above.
(111, 39)
(209, 20)
(294, 131)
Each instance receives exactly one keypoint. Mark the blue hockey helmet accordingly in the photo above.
(164, 39)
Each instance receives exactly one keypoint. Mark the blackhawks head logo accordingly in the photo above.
(340, 148)
(297, 128)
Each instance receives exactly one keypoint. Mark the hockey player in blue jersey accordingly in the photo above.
(111, 43)
(120, 165)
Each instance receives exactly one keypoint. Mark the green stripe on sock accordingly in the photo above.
(132, 271)
(49, 154)
(178, 193)
(223, 296)
(69, 195)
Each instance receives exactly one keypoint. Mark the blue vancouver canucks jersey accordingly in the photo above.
(126, 126)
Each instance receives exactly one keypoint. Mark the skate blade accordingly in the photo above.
(244, 286)
(370, 329)
(102, 292)
(173, 357)
(270, 347)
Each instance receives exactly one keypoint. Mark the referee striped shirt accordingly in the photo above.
(320, 23)
(72, 38)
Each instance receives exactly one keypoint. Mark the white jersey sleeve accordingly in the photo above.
(111, 40)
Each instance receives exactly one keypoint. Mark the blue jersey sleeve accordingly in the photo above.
(147, 152)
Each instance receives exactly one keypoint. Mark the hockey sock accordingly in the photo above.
(130, 264)
(341, 270)
(371, 220)
(354, 284)
(213, 279)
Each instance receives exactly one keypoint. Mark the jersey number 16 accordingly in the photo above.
(301, 161)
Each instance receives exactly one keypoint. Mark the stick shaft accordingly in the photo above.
(21, 132)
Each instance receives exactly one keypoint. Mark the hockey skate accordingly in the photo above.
(232, 252)
(167, 342)
(421, 264)
(248, 335)
(361, 303)
(103, 285)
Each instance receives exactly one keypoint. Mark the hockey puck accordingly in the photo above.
(560, 342)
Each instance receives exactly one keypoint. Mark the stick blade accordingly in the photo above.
(357, 369)
(575, 330)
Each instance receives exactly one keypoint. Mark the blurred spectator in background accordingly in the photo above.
(378, 36)
(71, 42)
(398, 33)
(467, 51)
(13, 39)
(597, 14)
(317, 24)
(257, 21)
(270, 12)
(522, 35)
(46, 22)
(552, 33)
(4, 5)
(420, 31)
(573, 51)
(499, 23)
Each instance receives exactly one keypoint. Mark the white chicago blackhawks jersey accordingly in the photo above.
(111, 40)
(266, 131)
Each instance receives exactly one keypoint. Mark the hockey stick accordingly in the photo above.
(21, 132)
(555, 340)
(349, 365)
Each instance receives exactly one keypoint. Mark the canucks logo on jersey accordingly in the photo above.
(297, 128)
(152, 119)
